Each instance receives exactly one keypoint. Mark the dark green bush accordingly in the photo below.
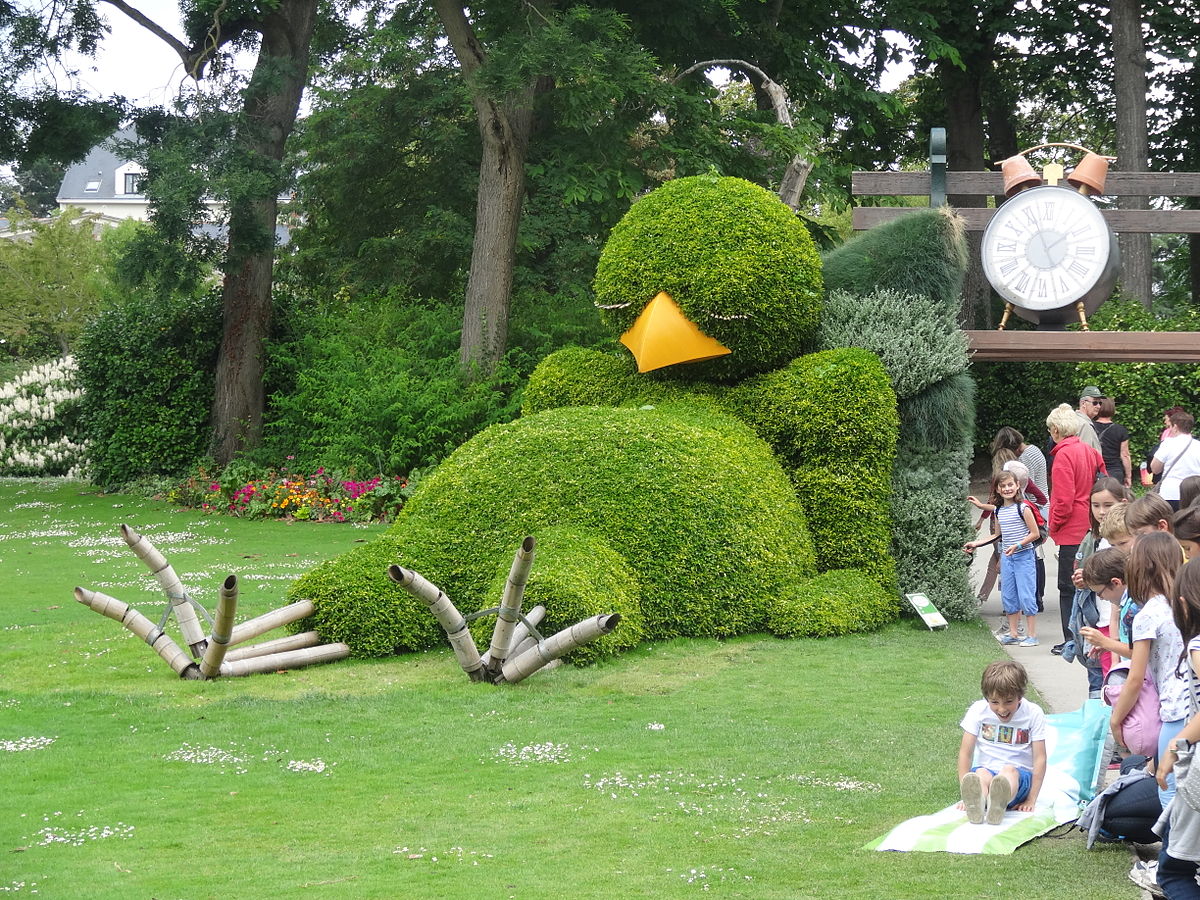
(690, 499)
(940, 417)
(146, 367)
(834, 603)
(922, 253)
(738, 262)
(917, 338)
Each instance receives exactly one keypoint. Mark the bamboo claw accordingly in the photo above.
(448, 617)
(218, 645)
(510, 605)
(164, 574)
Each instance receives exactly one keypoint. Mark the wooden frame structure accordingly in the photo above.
(1067, 346)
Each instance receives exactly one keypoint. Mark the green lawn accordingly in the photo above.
(753, 767)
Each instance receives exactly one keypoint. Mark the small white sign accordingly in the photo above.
(927, 611)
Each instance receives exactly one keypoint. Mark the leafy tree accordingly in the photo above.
(50, 284)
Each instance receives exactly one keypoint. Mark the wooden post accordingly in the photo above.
(448, 617)
(291, 659)
(264, 623)
(159, 641)
(279, 645)
(521, 667)
(189, 624)
(510, 605)
(218, 644)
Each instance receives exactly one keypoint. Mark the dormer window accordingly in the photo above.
(129, 180)
(133, 182)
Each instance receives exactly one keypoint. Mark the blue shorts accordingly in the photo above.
(1024, 781)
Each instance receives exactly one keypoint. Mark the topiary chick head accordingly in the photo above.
(712, 277)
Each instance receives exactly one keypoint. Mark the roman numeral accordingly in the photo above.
(1077, 268)
(1008, 266)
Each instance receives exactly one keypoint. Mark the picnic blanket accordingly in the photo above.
(1074, 746)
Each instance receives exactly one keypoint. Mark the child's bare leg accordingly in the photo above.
(1014, 620)
(1031, 625)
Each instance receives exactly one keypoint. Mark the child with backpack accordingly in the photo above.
(1019, 531)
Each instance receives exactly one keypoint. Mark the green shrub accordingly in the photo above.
(146, 367)
(940, 417)
(690, 499)
(39, 422)
(931, 524)
(738, 262)
(922, 253)
(833, 603)
(577, 575)
(917, 338)
(575, 376)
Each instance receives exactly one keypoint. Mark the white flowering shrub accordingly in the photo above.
(39, 422)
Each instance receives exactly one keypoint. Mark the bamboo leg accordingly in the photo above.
(264, 623)
(520, 633)
(210, 666)
(291, 659)
(448, 617)
(164, 573)
(130, 618)
(510, 605)
(521, 667)
(279, 645)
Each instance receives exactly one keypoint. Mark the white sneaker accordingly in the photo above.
(1143, 874)
(972, 797)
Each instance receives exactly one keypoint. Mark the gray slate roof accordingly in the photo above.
(100, 164)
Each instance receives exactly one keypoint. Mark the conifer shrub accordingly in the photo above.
(922, 253)
(146, 368)
(942, 416)
(840, 601)
(692, 501)
(736, 260)
(917, 338)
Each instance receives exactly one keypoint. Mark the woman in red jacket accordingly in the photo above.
(1074, 468)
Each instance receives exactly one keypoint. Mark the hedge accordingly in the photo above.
(738, 262)
(834, 603)
(690, 499)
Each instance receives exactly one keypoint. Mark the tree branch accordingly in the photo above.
(194, 58)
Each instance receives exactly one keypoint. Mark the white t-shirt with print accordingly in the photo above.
(1155, 622)
(1005, 743)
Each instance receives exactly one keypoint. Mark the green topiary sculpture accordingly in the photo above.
(679, 518)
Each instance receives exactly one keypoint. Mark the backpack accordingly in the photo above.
(1039, 518)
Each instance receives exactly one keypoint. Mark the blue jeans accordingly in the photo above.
(1018, 583)
(1177, 877)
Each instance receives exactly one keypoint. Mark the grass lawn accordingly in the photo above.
(753, 767)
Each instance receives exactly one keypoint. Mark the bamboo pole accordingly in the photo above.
(160, 642)
(521, 646)
(291, 642)
(521, 667)
(252, 628)
(510, 606)
(291, 659)
(164, 573)
(520, 633)
(448, 617)
(218, 643)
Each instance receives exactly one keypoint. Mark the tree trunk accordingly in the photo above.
(1129, 87)
(505, 124)
(270, 107)
(964, 153)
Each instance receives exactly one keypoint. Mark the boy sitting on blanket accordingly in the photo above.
(1009, 734)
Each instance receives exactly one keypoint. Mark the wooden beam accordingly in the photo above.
(1122, 221)
(1118, 184)
(1078, 346)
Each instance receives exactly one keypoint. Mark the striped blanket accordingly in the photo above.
(1074, 744)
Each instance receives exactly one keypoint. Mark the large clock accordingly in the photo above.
(1049, 252)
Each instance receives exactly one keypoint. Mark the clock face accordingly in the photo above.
(1046, 248)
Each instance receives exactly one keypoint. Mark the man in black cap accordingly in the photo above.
(1089, 408)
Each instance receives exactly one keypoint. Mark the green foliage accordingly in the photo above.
(577, 575)
(39, 422)
(735, 259)
(917, 337)
(930, 525)
(922, 253)
(940, 417)
(841, 601)
(690, 499)
(146, 365)
(574, 376)
(50, 285)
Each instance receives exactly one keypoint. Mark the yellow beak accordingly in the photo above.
(664, 336)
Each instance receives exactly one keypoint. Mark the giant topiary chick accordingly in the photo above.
(715, 287)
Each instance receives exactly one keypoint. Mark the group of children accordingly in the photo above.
(1137, 613)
